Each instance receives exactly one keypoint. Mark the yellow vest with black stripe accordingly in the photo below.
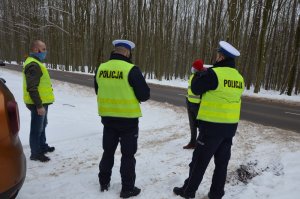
(223, 105)
(116, 97)
(190, 95)
(44, 88)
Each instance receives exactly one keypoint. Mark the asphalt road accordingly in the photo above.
(266, 112)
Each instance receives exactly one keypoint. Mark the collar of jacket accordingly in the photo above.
(119, 57)
(35, 58)
(229, 62)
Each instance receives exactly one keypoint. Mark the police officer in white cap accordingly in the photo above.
(120, 87)
(221, 88)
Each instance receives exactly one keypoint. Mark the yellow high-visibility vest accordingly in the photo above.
(44, 88)
(116, 97)
(190, 95)
(223, 105)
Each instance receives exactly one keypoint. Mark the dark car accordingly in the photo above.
(2, 63)
(12, 158)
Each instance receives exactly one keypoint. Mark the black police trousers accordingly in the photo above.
(128, 140)
(192, 109)
(211, 142)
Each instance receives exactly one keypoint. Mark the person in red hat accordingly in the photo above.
(192, 104)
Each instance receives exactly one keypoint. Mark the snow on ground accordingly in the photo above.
(75, 130)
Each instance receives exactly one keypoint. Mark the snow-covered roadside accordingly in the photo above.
(76, 132)
(263, 94)
(183, 83)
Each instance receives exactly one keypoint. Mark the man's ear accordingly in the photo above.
(128, 53)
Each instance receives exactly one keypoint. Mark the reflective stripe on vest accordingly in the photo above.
(190, 95)
(116, 97)
(44, 88)
(223, 105)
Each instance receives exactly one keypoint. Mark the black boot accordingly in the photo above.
(104, 187)
(127, 194)
(49, 149)
(190, 145)
(179, 191)
(39, 157)
(212, 196)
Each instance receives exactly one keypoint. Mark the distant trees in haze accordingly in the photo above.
(169, 35)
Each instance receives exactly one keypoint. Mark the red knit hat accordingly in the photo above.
(198, 64)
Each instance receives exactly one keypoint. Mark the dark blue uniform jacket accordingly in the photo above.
(206, 81)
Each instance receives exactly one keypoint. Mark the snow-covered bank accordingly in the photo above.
(183, 83)
(272, 95)
(75, 130)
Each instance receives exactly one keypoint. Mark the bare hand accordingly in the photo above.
(41, 111)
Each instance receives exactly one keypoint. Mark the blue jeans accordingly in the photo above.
(37, 137)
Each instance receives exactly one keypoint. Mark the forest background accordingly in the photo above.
(169, 35)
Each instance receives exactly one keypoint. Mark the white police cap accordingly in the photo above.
(228, 50)
(124, 43)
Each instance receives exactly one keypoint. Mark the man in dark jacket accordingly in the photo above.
(221, 88)
(120, 87)
(37, 94)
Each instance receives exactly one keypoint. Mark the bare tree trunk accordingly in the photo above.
(232, 6)
(261, 55)
(103, 28)
(289, 50)
(252, 45)
(295, 62)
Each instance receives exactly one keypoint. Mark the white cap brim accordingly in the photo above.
(125, 43)
(229, 48)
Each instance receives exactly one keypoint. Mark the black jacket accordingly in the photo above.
(204, 82)
(140, 88)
